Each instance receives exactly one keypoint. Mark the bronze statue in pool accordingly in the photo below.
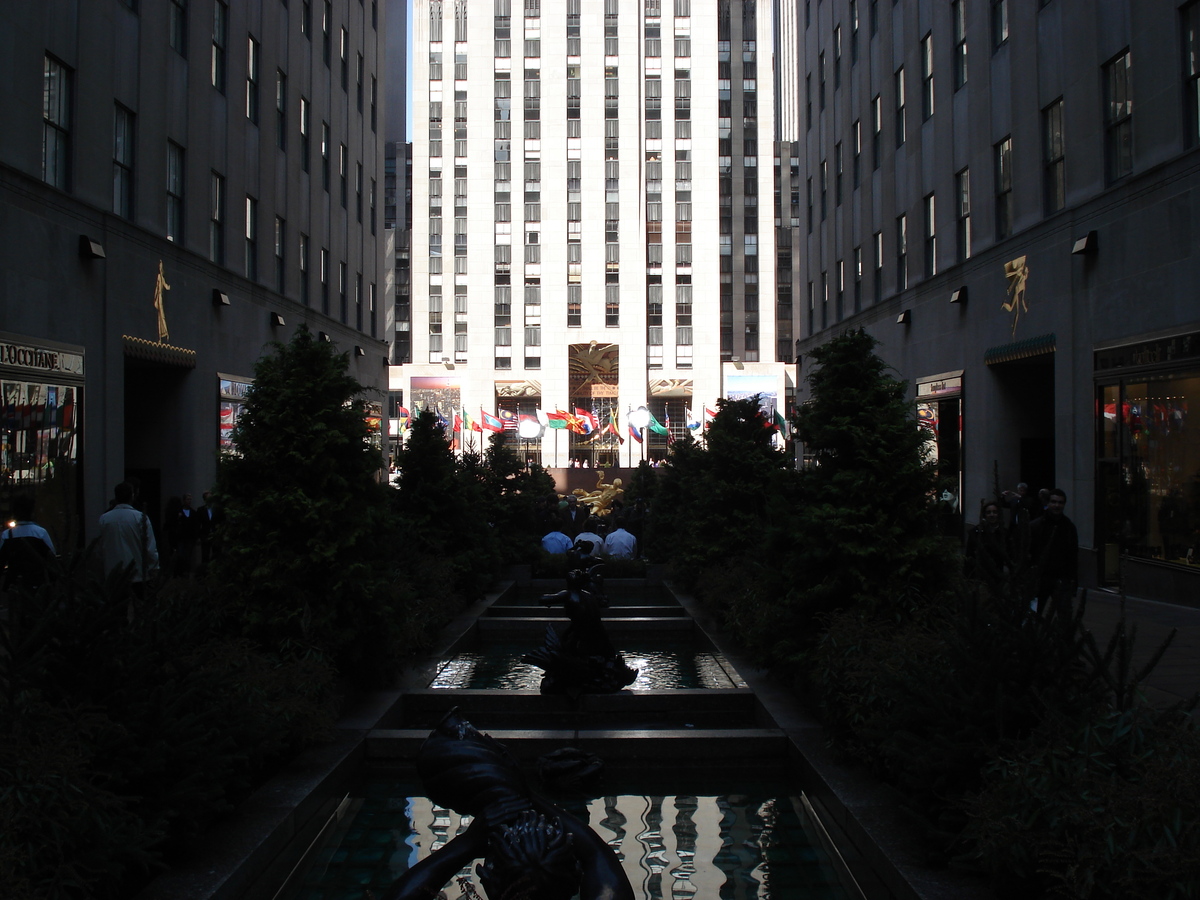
(531, 849)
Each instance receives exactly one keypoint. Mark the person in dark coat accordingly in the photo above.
(1053, 553)
(987, 555)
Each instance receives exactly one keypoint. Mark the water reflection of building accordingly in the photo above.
(225, 144)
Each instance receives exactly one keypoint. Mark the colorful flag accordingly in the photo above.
(510, 419)
(611, 427)
(667, 425)
(490, 422)
(556, 419)
(469, 424)
(709, 415)
(635, 434)
(781, 423)
(587, 420)
(692, 422)
(402, 417)
(656, 426)
(458, 423)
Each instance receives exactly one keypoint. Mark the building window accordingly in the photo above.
(900, 107)
(837, 57)
(856, 165)
(878, 285)
(1140, 429)
(304, 134)
(358, 192)
(358, 83)
(853, 32)
(901, 252)
(374, 100)
(858, 278)
(927, 77)
(343, 294)
(220, 39)
(930, 237)
(56, 124)
(251, 238)
(999, 23)
(808, 110)
(122, 162)
(252, 53)
(1191, 72)
(821, 81)
(216, 219)
(325, 155)
(175, 183)
(962, 187)
(837, 174)
(177, 25)
(1118, 117)
(344, 55)
(876, 131)
(343, 174)
(306, 18)
(1004, 193)
(1053, 174)
(327, 32)
(280, 110)
(324, 275)
(280, 253)
(372, 206)
(959, 15)
(303, 254)
(810, 204)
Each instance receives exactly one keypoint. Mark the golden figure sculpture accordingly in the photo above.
(1017, 274)
(161, 285)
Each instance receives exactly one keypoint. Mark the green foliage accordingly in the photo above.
(305, 542)
(867, 529)
(1104, 807)
(715, 502)
(121, 741)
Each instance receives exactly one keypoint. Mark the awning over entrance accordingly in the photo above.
(1034, 346)
(161, 354)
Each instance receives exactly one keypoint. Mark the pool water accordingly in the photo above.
(754, 842)
(662, 664)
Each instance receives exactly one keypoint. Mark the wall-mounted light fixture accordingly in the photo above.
(905, 317)
(89, 249)
(277, 319)
(1086, 245)
(323, 336)
(219, 297)
(960, 295)
(359, 351)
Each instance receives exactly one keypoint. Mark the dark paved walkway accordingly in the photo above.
(1177, 676)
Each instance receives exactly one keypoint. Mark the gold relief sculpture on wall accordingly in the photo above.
(670, 387)
(594, 369)
(1017, 274)
(518, 389)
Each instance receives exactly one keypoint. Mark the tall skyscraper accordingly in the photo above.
(592, 218)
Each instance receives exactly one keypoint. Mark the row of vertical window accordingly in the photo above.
(55, 171)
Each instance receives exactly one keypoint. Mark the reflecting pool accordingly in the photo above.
(755, 841)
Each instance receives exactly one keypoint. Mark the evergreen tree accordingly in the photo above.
(867, 526)
(714, 501)
(303, 543)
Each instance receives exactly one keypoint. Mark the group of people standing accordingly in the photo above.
(1026, 532)
(128, 538)
(568, 524)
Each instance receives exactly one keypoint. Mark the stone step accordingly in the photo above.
(535, 626)
(513, 610)
(690, 708)
(720, 745)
